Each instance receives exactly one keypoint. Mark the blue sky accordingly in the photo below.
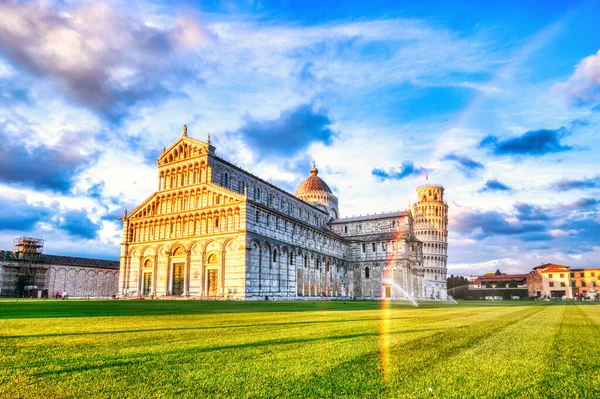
(498, 102)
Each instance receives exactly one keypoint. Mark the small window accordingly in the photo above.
(572, 275)
(583, 284)
(562, 284)
(581, 274)
(550, 276)
(364, 248)
(593, 274)
(374, 247)
(217, 223)
(257, 216)
(562, 275)
(383, 246)
(345, 229)
(275, 256)
(551, 284)
(367, 272)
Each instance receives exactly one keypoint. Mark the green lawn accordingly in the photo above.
(144, 349)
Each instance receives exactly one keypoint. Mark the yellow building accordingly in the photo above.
(584, 282)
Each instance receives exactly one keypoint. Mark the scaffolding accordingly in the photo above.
(29, 277)
(28, 247)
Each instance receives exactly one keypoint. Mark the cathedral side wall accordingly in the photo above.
(289, 258)
(385, 257)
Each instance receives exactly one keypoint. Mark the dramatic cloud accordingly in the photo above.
(407, 169)
(466, 165)
(583, 204)
(493, 186)
(42, 167)
(571, 184)
(583, 87)
(480, 225)
(535, 143)
(530, 212)
(17, 215)
(105, 59)
(295, 130)
(78, 224)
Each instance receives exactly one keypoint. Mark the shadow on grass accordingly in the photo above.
(408, 368)
(221, 327)
(99, 308)
(150, 357)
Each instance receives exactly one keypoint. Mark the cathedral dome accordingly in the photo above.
(313, 184)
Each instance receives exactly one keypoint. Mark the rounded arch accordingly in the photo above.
(147, 251)
(212, 245)
(213, 258)
(231, 244)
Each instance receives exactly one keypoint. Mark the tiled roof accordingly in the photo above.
(501, 277)
(545, 265)
(71, 261)
(371, 217)
(313, 184)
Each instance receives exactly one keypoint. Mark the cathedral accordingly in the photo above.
(214, 230)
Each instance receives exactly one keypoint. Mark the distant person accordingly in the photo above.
(57, 294)
(65, 295)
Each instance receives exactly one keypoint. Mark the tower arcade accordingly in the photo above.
(431, 227)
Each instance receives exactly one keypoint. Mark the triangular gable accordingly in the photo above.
(139, 209)
(184, 148)
(147, 204)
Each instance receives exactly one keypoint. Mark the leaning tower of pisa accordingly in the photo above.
(430, 214)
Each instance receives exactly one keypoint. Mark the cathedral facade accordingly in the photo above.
(214, 230)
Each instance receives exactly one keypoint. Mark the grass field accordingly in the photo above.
(144, 349)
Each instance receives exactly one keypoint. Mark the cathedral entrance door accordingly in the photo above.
(178, 269)
(388, 291)
(213, 281)
(147, 283)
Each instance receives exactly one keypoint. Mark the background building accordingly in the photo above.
(213, 229)
(27, 272)
(547, 281)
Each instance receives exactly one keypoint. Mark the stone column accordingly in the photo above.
(168, 275)
(154, 275)
(186, 274)
(140, 277)
(203, 274)
(222, 273)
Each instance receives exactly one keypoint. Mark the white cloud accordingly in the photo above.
(583, 86)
